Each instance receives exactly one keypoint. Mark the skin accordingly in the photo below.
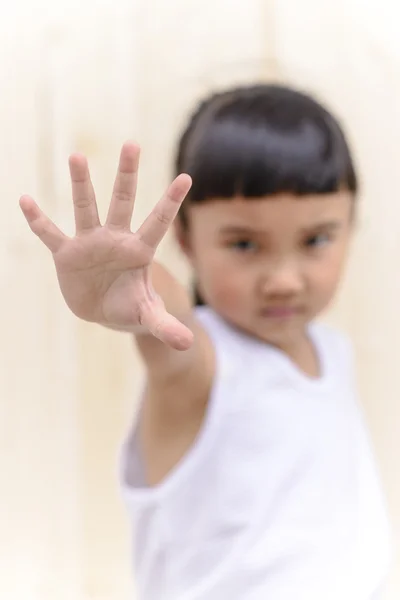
(269, 279)
(269, 266)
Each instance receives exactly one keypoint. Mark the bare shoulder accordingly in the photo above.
(174, 408)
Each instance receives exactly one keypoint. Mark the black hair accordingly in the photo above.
(261, 141)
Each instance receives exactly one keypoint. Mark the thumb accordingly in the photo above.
(167, 328)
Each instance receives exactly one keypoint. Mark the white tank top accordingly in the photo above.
(278, 498)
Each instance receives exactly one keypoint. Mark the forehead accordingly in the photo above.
(272, 213)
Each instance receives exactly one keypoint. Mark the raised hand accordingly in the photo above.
(104, 271)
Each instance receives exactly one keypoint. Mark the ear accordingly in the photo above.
(182, 236)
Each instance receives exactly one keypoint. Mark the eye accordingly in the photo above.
(243, 245)
(317, 241)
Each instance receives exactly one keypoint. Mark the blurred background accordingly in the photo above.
(84, 76)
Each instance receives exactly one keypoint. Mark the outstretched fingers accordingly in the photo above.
(167, 329)
(85, 207)
(41, 225)
(124, 192)
(162, 216)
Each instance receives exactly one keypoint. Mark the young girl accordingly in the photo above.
(248, 473)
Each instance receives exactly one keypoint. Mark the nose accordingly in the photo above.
(283, 278)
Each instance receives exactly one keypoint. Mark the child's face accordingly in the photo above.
(269, 265)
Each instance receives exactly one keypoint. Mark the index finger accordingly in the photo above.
(163, 214)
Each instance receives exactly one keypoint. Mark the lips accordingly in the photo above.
(280, 312)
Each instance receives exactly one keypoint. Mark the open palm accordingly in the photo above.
(104, 272)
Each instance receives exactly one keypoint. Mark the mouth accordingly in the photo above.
(280, 312)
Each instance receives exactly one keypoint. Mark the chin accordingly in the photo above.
(281, 332)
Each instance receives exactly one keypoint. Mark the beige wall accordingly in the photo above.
(85, 76)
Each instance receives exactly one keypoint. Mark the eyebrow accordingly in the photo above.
(244, 230)
(240, 230)
(323, 226)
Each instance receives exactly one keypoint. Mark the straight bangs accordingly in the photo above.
(252, 159)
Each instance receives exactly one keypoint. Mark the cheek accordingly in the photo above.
(222, 282)
(324, 275)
